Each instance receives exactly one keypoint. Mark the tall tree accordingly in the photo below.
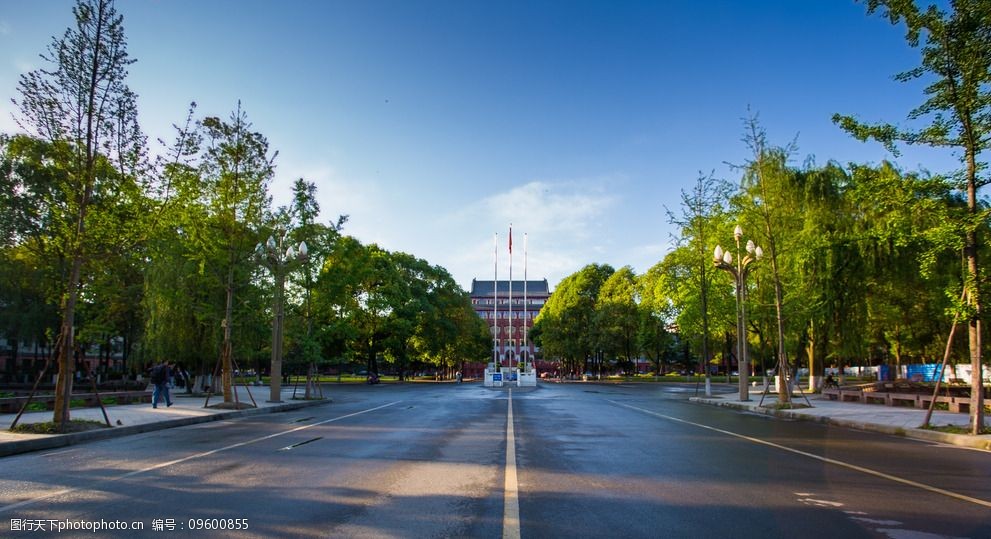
(701, 209)
(236, 169)
(956, 59)
(82, 102)
(319, 239)
(767, 199)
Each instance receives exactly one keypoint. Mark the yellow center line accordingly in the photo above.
(511, 496)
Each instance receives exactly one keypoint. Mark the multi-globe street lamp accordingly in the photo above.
(724, 261)
(274, 255)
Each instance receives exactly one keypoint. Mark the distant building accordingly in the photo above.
(22, 361)
(506, 321)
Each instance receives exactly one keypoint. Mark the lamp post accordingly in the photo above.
(274, 256)
(724, 261)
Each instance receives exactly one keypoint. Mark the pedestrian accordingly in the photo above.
(181, 377)
(160, 375)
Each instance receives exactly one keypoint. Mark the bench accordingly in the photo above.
(915, 400)
(844, 395)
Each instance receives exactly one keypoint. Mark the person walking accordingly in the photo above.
(160, 375)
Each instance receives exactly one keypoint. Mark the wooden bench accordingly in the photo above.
(914, 400)
(845, 394)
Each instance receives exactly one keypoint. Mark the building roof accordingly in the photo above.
(484, 288)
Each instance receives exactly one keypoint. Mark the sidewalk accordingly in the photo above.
(894, 420)
(137, 418)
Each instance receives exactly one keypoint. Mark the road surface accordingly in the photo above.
(432, 460)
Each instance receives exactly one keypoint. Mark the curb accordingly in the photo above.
(960, 440)
(62, 440)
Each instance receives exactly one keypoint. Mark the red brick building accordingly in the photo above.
(506, 320)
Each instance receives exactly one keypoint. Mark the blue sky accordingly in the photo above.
(434, 124)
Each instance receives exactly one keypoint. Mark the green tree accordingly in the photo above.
(236, 169)
(618, 317)
(898, 215)
(83, 102)
(703, 210)
(34, 233)
(655, 313)
(956, 60)
(767, 199)
(566, 326)
(182, 321)
(304, 346)
(355, 285)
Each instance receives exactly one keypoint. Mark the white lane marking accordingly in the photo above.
(511, 490)
(847, 465)
(54, 453)
(190, 457)
(820, 503)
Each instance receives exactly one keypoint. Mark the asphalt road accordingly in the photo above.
(433, 461)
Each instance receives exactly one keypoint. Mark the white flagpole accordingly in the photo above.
(512, 347)
(495, 304)
(526, 321)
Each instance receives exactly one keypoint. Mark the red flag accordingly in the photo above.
(510, 239)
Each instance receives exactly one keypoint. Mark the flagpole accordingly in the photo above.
(495, 304)
(512, 345)
(526, 321)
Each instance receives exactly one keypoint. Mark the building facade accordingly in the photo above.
(510, 316)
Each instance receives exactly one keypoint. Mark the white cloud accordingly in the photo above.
(566, 223)
(24, 66)
(7, 123)
(4, 28)
(363, 201)
(570, 208)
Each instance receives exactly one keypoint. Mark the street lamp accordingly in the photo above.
(274, 256)
(724, 261)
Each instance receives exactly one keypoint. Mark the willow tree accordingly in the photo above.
(956, 62)
(81, 101)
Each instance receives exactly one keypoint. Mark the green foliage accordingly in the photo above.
(618, 317)
(567, 327)
(394, 307)
(956, 114)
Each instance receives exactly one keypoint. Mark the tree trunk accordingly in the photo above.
(974, 300)
(227, 372)
(63, 386)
